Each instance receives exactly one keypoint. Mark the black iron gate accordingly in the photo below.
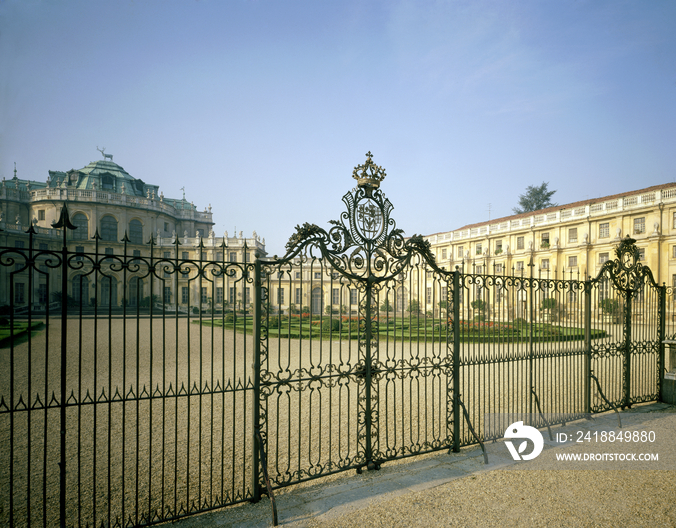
(352, 350)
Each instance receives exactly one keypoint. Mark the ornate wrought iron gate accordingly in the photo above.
(353, 349)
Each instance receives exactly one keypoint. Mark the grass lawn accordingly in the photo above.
(414, 329)
(20, 328)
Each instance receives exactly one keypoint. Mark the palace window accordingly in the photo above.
(572, 234)
(603, 257)
(185, 294)
(109, 229)
(135, 232)
(429, 295)
(299, 296)
(185, 255)
(108, 251)
(604, 230)
(443, 254)
(519, 242)
(298, 274)
(219, 295)
(639, 225)
(166, 227)
(641, 254)
(673, 252)
(499, 268)
(354, 296)
(80, 222)
(478, 248)
(572, 261)
(233, 256)
(544, 264)
(167, 294)
(280, 295)
(519, 266)
(461, 252)
(204, 295)
(318, 274)
(545, 240)
(41, 214)
(498, 247)
(335, 296)
(19, 293)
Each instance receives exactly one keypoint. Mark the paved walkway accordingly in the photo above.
(458, 489)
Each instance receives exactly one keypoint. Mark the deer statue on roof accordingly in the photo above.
(105, 156)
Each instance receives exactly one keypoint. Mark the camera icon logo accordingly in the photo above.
(518, 430)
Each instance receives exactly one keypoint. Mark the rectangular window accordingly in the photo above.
(167, 294)
(572, 261)
(443, 254)
(639, 225)
(298, 274)
(603, 257)
(19, 293)
(166, 227)
(519, 266)
(203, 255)
(461, 252)
(641, 254)
(673, 252)
(499, 268)
(674, 220)
(184, 294)
(248, 295)
(544, 264)
(479, 269)
(519, 242)
(219, 295)
(233, 256)
(498, 247)
(219, 256)
(246, 257)
(299, 297)
(318, 274)
(354, 296)
(478, 248)
(43, 246)
(232, 297)
(41, 214)
(109, 251)
(280, 295)
(185, 255)
(335, 296)
(79, 250)
(200, 233)
(604, 230)
(572, 235)
(18, 244)
(429, 295)
(545, 240)
(42, 293)
(204, 294)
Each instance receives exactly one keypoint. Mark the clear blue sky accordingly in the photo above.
(262, 108)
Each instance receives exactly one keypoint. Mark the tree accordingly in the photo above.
(535, 198)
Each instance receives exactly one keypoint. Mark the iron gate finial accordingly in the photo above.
(371, 174)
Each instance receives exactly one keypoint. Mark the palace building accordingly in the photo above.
(568, 241)
(102, 198)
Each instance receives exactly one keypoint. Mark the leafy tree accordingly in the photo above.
(386, 306)
(414, 306)
(535, 198)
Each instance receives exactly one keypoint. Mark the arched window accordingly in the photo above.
(109, 228)
(108, 291)
(82, 232)
(80, 289)
(135, 232)
(135, 291)
(317, 301)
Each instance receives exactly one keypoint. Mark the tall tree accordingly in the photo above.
(535, 198)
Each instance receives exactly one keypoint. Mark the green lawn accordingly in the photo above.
(413, 329)
(20, 328)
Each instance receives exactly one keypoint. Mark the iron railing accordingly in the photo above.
(166, 386)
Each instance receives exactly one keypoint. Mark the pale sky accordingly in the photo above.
(263, 108)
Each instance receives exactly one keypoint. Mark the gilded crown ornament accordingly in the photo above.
(369, 175)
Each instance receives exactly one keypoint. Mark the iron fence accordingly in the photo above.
(157, 387)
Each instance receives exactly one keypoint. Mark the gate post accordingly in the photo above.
(587, 346)
(661, 337)
(627, 352)
(456, 360)
(256, 485)
(368, 404)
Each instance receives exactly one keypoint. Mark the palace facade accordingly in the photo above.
(569, 241)
(114, 214)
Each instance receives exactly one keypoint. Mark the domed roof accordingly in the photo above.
(97, 168)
